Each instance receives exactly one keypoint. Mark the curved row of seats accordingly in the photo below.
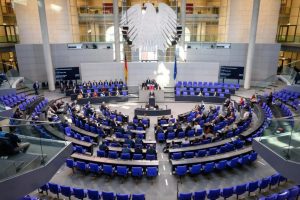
(237, 144)
(206, 84)
(122, 171)
(288, 97)
(80, 193)
(12, 100)
(39, 108)
(252, 188)
(290, 194)
(125, 156)
(218, 166)
(170, 134)
(68, 132)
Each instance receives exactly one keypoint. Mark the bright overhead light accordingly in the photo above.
(89, 31)
(55, 7)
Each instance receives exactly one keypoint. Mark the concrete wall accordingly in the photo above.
(239, 20)
(58, 20)
(265, 62)
(32, 65)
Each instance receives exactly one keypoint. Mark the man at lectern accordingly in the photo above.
(151, 94)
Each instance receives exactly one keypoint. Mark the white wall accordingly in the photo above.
(58, 20)
(161, 72)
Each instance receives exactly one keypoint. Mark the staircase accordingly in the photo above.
(169, 94)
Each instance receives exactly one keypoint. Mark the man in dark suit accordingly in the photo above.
(36, 87)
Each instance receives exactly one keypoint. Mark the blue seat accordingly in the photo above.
(221, 165)
(150, 157)
(137, 157)
(161, 137)
(125, 156)
(201, 153)
(171, 135)
(240, 189)
(54, 188)
(94, 168)
(81, 166)
(283, 195)
(122, 171)
(176, 156)
(93, 194)
(252, 187)
(243, 160)
(71, 163)
(66, 191)
(151, 171)
(108, 196)
(113, 154)
(263, 183)
(189, 154)
(195, 169)
(181, 170)
(227, 192)
(212, 151)
(101, 153)
(123, 196)
(79, 193)
(252, 156)
(233, 162)
(44, 188)
(294, 192)
(214, 194)
(200, 195)
(108, 170)
(181, 135)
(137, 172)
(274, 180)
(209, 167)
(138, 196)
(185, 196)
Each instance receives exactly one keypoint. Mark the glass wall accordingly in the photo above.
(289, 21)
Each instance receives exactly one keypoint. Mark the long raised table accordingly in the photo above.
(88, 146)
(93, 136)
(210, 99)
(150, 112)
(213, 158)
(98, 100)
(115, 162)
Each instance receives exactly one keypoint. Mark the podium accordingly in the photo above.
(152, 101)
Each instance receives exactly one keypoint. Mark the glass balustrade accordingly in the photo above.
(283, 137)
(37, 146)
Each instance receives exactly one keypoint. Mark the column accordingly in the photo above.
(182, 14)
(46, 45)
(116, 30)
(251, 45)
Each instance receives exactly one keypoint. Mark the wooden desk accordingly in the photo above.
(87, 145)
(213, 158)
(115, 162)
(93, 136)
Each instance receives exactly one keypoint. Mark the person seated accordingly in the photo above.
(18, 114)
(270, 99)
(200, 94)
(116, 82)
(197, 126)
(156, 107)
(151, 150)
(95, 94)
(117, 93)
(121, 82)
(188, 128)
(185, 141)
(51, 114)
(138, 150)
(94, 83)
(126, 149)
(103, 146)
(16, 143)
(178, 129)
(79, 96)
(129, 141)
(110, 82)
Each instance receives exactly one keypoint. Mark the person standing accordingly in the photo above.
(36, 87)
